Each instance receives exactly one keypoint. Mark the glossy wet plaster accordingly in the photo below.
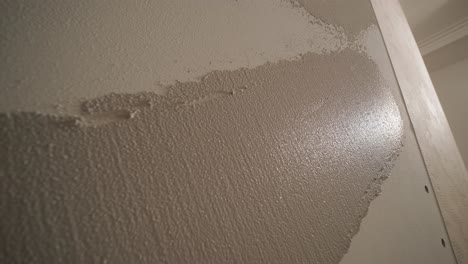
(234, 168)
(138, 197)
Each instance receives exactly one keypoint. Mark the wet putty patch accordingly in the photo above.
(275, 164)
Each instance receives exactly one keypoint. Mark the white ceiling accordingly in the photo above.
(427, 17)
(440, 28)
(418, 11)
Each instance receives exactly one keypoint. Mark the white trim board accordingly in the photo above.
(444, 164)
(444, 36)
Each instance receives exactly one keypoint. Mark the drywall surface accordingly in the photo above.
(55, 52)
(116, 153)
(451, 84)
(403, 224)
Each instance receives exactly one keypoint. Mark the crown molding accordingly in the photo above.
(444, 36)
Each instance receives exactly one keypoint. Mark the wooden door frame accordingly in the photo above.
(444, 164)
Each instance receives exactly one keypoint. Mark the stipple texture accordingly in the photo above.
(276, 164)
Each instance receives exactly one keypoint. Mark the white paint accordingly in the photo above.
(403, 224)
(427, 17)
(445, 36)
(443, 163)
(447, 55)
(54, 53)
(419, 11)
(392, 231)
(451, 84)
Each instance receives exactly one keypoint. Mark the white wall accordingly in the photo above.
(57, 53)
(427, 17)
(451, 84)
(95, 188)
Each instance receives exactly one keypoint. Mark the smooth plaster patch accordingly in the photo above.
(275, 164)
(54, 53)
